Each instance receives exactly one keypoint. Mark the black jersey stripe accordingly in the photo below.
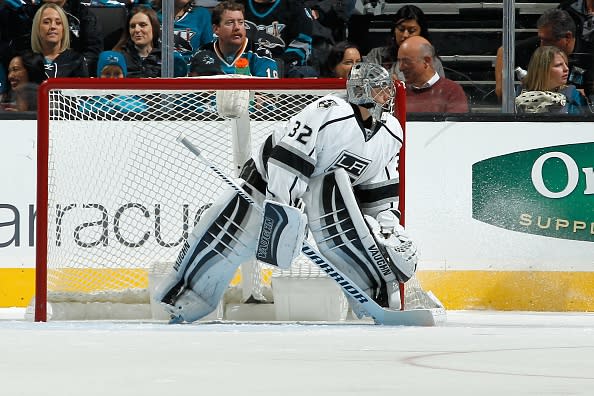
(292, 160)
(377, 194)
(292, 187)
(252, 177)
(392, 133)
(334, 121)
(266, 151)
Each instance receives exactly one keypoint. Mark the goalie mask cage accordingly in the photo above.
(117, 194)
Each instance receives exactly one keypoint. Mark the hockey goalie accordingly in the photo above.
(332, 169)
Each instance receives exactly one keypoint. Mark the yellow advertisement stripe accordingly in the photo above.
(17, 286)
(512, 290)
(457, 290)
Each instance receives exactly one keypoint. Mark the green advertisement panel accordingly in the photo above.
(546, 191)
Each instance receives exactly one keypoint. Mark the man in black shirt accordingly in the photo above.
(555, 27)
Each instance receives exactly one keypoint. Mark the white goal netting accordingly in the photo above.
(123, 194)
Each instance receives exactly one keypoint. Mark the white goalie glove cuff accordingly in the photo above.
(397, 246)
(233, 104)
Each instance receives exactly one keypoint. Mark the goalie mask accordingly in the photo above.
(366, 86)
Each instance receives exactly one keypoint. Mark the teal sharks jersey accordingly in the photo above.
(260, 61)
(191, 31)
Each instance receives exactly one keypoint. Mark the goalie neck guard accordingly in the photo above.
(365, 85)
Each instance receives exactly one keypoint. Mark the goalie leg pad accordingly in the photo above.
(189, 307)
(224, 237)
(342, 235)
(282, 233)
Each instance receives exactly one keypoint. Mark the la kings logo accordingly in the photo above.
(353, 164)
(324, 104)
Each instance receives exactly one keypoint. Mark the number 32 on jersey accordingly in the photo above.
(302, 131)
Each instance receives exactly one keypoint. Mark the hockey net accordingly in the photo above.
(117, 194)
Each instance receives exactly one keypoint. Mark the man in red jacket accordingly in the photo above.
(426, 92)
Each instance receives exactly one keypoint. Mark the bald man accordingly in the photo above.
(426, 92)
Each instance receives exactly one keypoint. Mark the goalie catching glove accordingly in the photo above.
(397, 246)
(282, 233)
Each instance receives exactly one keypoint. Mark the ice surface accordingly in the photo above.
(474, 353)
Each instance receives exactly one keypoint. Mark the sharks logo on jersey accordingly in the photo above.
(51, 69)
(353, 164)
(266, 36)
(73, 25)
(183, 40)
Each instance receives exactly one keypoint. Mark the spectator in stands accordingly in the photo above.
(284, 27)
(426, 91)
(50, 39)
(545, 87)
(23, 69)
(191, 29)
(582, 12)
(111, 64)
(341, 59)
(409, 21)
(235, 52)
(140, 43)
(16, 19)
(332, 15)
(3, 84)
(86, 36)
(119, 3)
(555, 27)
(26, 97)
(205, 63)
(329, 26)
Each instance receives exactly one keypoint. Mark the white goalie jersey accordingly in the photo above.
(328, 134)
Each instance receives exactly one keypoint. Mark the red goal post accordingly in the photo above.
(88, 133)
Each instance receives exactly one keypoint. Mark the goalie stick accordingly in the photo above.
(381, 315)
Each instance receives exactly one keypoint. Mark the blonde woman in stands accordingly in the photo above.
(50, 39)
(16, 21)
(545, 88)
(409, 21)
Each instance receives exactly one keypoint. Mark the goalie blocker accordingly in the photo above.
(281, 235)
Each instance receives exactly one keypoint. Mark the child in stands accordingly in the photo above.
(111, 64)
